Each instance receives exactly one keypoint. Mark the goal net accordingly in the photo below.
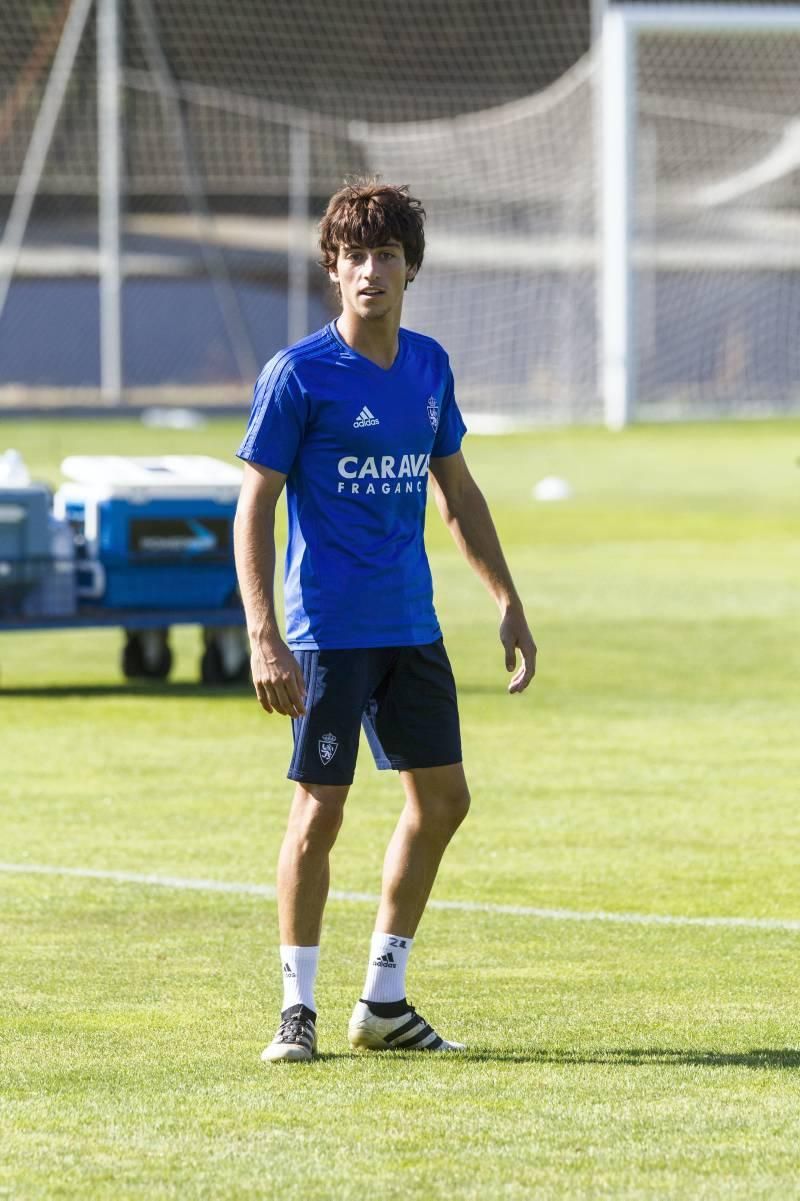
(714, 245)
(238, 121)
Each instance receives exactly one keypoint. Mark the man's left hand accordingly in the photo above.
(515, 636)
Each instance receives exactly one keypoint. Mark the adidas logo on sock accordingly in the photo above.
(287, 971)
(365, 418)
(384, 961)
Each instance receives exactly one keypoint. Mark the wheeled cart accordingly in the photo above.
(141, 544)
(146, 652)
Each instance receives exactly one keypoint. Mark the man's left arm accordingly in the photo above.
(466, 514)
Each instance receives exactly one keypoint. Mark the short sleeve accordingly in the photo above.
(278, 418)
(451, 428)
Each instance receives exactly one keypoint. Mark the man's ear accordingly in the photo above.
(333, 276)
(411, 274)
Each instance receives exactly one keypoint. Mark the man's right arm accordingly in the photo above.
(277, 677)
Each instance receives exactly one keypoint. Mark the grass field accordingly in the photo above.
(653, 769)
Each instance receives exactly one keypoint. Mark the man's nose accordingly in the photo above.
(370, 265)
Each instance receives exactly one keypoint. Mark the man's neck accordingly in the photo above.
(375, 340)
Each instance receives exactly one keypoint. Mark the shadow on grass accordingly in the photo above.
(758, 1057)
(764, 1058)
(183, 688)
(128, 688)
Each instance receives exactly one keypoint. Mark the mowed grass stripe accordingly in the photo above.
(267, 892)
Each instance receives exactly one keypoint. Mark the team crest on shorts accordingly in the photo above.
(433, 413)
(328, 746)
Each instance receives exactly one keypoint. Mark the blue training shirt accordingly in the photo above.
(354, 441)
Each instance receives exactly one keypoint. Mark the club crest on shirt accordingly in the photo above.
(328, 746)
(433, 413)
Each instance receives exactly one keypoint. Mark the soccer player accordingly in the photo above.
(356, 421)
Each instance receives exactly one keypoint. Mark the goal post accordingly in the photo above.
(618, 166)
(109, 145)
(623, 27)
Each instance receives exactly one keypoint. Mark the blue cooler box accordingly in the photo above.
(152, 533)
(24, 544)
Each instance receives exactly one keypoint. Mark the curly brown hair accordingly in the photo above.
(366, 212)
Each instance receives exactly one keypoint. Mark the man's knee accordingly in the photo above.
(441, 798)
(445, 813)
(316, 815)
(457, 805)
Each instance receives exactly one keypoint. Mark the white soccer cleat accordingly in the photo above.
(296, 1037)
(406, 1032)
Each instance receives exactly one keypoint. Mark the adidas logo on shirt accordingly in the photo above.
(384, 961)
(365, 418)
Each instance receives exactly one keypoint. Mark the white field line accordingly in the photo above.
(267, 892)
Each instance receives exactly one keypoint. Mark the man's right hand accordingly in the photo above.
(278, 680)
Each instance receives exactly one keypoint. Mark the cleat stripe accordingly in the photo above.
(424, 1033)
(303, 1038)
(408, 1026)
(436, 1044)
(425, 1046)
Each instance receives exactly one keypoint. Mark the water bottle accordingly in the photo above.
(13, 472)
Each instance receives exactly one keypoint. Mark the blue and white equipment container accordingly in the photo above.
(37, 572)
(151, 533)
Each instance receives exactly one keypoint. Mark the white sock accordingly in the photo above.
(386, 973)
(299, 965)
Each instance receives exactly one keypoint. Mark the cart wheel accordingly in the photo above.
(212, 669)
(160, 669)
(146, 655)
(226, 657)
(243, 675)
(133, 658)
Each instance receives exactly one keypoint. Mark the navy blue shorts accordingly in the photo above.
(404, 696)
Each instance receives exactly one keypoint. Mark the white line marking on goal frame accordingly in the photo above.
(267, 892)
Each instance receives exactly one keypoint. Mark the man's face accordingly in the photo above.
(372, 279)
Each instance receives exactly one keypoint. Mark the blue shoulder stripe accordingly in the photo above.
(275, 374)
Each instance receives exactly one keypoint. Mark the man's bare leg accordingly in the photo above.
(437, 801)
(303, 878)
(303, 865)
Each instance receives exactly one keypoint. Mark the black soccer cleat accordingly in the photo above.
(296, 1037)
(405, 1030)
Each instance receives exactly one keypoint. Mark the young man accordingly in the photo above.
(355, 420)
